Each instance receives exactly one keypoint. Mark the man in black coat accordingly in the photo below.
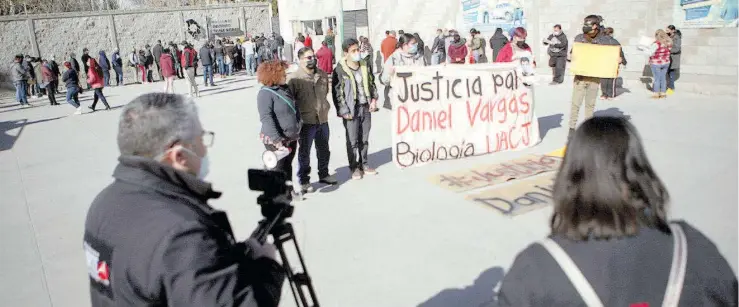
(151, 239)
(85, 57)
(557, 42)
(157, 51)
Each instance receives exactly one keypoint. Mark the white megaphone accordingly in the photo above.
(270, 158)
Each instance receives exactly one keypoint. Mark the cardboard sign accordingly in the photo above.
(492, 174)
(519, 197)
(593, 60)
(457, 111)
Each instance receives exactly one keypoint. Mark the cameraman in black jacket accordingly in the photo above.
(151, 239)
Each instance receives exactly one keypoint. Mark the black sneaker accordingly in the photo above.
(330, 180)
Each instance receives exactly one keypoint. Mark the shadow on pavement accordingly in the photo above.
(343, 174)
(229, 90)
(6, 140)
(549, 122)
(479, 294)
(612, 112)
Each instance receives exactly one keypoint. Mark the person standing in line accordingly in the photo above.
(95, 79)
(265, 55)
(143, 67)
(408, 54)
(355, 97)
(365, 49)
(310, 87)
(659, 60)
(156, 51)
(218, 52)
(608, 85)
(189, 60)
(206, 59)
(133, 62)
(387, 47)
(176, 53)
(278, 114)
(457, 52)
(673, 73)
(281, 45)
(105, 66)
(37, 76)
(50, 80)
(249, 59)
(478, 47)
(167, 70)
(117, 67)
(85, 60)
(557, 50)
(20, 79)
(272, 44)
(330, 40)
(72, 83)
(497, 42)
(325, 58)
(438, 52)
(149, 63)
(308, 40)
(585, 89)
(55, 69)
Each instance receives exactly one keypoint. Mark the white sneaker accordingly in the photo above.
(79, 111)
(306, 188)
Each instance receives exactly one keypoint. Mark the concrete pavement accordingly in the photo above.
(388, 240)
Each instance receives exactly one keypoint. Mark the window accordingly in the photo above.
(332, 23)
(314, 27)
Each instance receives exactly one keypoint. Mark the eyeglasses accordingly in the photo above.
(208, 138)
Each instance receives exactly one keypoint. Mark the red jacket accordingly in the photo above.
(457, 53)
(387, 47)
(48, 75)
(94, 75)
(308, 41)
(186, 61)
(325, 59)
(165, 61)
(506, 54)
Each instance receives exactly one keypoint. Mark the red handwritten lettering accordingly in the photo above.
(525, 105)
(421, 120)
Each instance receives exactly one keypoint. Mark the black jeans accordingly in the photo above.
(285, 164)
(672, 75)
(51, 92)
(357, 137)
(558, 70)
(608, 87)
(320, 134)
(99, 95)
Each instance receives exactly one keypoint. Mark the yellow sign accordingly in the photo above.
(593, 60)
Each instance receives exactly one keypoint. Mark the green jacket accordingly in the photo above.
(345, 88)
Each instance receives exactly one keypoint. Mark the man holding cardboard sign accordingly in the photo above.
(589, 64)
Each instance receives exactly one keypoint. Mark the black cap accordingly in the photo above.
(473, 30)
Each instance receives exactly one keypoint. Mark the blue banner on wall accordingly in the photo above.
(487, 15)
(706, 13)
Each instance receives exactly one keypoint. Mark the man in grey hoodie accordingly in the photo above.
(20, 79)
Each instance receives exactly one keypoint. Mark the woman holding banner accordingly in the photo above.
(516, 49)
(407, 54)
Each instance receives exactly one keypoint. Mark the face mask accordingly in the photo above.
(521, 44)
(587, 29)
(356, 57)
(413, 49)
(557, 33)
(204, 163)
(311, 64)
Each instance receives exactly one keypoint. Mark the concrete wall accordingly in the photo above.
(59, 34)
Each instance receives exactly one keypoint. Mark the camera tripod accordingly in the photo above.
(275, 210)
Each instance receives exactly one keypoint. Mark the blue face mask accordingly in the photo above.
(413, 49)
(356, 57)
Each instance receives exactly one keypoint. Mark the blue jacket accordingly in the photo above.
(117, 61)
(103, 61)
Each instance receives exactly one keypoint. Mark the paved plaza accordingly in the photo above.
(391, 240)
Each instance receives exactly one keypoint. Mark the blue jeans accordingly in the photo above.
(221, 65)
(208, 73)
(251, 64)
(308, 134)
(20, 92)
(660, 77)
(73, 96)
(118, 75)
(672, 76)
(106, 77)
(229, 68)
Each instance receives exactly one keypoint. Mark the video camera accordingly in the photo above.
(276, 208)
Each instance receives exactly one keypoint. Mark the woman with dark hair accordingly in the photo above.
(278, 113)
(608, 85)
(516, 49)
(497, 42)
(407, 54)
(611, 243)
(96, 81)
(458, 51)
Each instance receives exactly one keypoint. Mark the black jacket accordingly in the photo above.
(557, 50)
(70, 78)
(438, 45)
(152, 240)
(622, 272)
(54, 68)
(345, 91)
(280, 117)
(497, 42)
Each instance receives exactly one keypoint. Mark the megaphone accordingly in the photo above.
(270, 158)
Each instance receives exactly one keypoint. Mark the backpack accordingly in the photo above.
(586, 291)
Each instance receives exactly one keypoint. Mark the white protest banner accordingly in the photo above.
(225, 27)
(449, 112)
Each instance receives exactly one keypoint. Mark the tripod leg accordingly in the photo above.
(300, 280)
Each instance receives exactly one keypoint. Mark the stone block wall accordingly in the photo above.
(60, 34)
(709, 56)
